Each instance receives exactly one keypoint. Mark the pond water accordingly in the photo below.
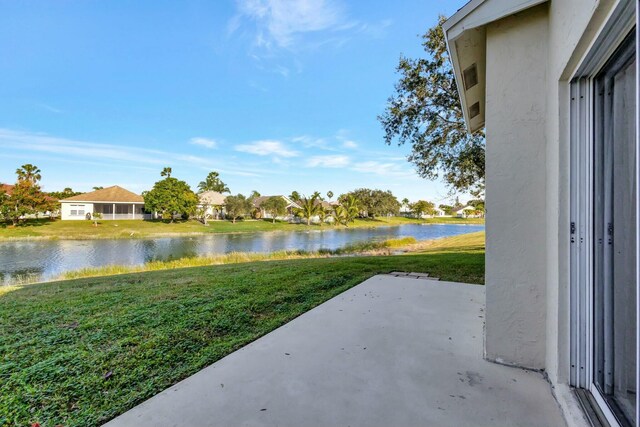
(47, 259)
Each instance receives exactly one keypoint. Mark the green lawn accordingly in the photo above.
(137, 229)
(80, 352)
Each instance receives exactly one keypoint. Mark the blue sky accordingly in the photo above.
(276, 95)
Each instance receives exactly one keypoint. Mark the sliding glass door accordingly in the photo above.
(614, 230)
(604, 218)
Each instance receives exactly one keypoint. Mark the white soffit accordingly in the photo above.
(466, 40)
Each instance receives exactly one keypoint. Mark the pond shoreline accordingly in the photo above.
(397, 247)
(282, 227)
(48, 258)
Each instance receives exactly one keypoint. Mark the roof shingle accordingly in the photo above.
(113, 194)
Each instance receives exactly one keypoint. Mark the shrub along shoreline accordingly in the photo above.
(365, 248)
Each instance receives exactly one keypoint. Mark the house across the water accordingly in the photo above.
(213, 204)
(262, 213)
(111, 203)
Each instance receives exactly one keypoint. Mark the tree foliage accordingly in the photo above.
(309, 207)
(27, 198)
(275, 206)
(170, 197)
(213, 183)
(295, 196)
(422, 207)
(67, 192)
(447, 209)
(373, 203)
(29, 173)
(347, 211)
(425, 112)
(237, 206)
(323, 214)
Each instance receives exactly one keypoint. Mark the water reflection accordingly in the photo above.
(49, 259)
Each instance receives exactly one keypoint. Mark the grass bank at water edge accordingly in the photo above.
(136, 229)
(80, 352)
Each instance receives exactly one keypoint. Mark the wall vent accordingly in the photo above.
(474, 110)
(470, 76)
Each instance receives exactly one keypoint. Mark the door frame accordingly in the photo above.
(581, 161)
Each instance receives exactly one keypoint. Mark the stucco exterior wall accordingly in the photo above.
(66, 208)
(516, 110)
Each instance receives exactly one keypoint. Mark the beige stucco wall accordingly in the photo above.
(516, 110)
(65, 210)
(531, 58)
(573, 26)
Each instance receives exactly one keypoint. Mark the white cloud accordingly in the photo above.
(50, 108)
(336, 161)
(280, 21)
(90, 153)
(384, 169)
(204, 142)
(311, 142)
(350, 144)
(267, 148)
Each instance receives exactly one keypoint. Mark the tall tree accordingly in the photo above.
(347, 211)
(329, 194)
(295, 196)
(374, 202)
(309, 207)
(275, 206)
(422, 207)
(27, 198)
(425, 112)
(170, 197)
(4, 205)
(213, 183)
(166, 172)
(323, 213)
(29, 172)
(237, 206)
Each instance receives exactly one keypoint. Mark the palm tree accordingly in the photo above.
(29, 173)
(310, 207)
(323, 213)
(295, 196)
(213, 183)
(352, 208)
(329, 194)
(405, 202)
(166, 172)
(340, 215)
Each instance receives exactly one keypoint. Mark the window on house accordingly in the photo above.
(77, 210)
(123, 209)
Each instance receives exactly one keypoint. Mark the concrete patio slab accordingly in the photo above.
(391, 351)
